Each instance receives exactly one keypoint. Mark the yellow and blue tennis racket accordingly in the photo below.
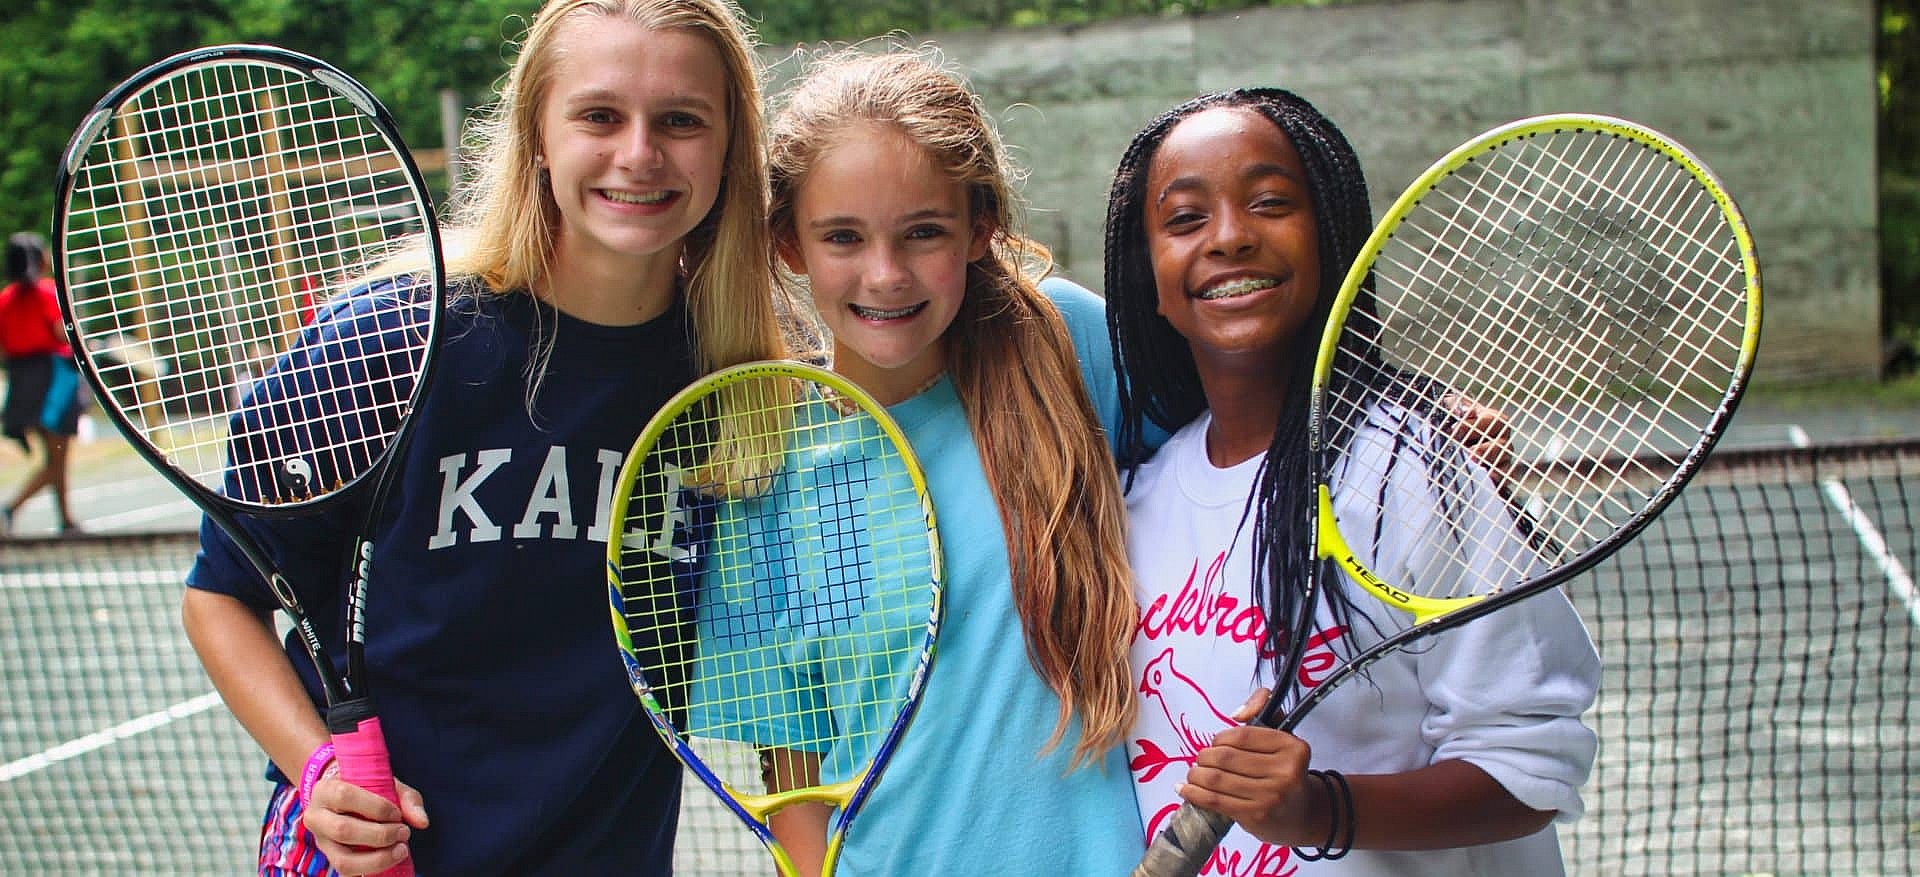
(1585, 277)
(775, 586)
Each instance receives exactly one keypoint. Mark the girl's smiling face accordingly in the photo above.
(633, 136)
(884, 237)
(1230, 230)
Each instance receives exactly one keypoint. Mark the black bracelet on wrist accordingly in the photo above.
(1333, 820)
(1346, 799)
(1340, 818)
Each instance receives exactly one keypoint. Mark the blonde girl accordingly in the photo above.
(613, 247)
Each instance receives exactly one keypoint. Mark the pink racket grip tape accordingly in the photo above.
(360, 748)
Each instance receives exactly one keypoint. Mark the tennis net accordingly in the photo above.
(1757, 713)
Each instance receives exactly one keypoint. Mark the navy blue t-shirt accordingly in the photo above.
(491, 659)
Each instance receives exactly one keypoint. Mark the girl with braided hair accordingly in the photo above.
(1233, 219)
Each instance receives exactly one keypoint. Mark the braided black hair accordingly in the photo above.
(1162, 384)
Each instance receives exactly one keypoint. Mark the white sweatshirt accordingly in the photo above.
(1504, 692)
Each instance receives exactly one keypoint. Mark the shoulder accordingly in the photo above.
(1390, 430)
(1085, 316)
(377, 305)
(1078, 305)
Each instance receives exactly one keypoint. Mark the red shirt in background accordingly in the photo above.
(30, 323)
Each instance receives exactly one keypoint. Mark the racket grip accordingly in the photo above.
(360, 748)
(1183, 847)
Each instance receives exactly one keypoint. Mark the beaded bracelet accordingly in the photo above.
(317, 764)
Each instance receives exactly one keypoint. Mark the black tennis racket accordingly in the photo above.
(209, 211)
(1584, 276)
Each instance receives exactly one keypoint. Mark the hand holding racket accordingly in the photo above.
(208, 210)
(1583, 276)
(775, 588)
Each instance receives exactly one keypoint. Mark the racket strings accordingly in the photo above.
(206, 229)
(1657, 211)
(1584, 286)
(815, 587)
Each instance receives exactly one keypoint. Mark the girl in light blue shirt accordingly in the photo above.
(891, 198)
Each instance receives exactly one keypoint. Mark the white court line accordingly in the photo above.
(133, 484)
(1869, 535)
(147, 515)
(130, 519)
(101, 739)
(128, 578)
(94, 494)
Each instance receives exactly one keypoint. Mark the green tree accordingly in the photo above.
(1899, 56)
(798, 21)
(60, 57)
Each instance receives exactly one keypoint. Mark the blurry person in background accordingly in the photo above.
(43, 386)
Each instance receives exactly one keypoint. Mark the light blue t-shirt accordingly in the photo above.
(814, 602)
(968, 791)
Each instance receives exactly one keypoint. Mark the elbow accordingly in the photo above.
(198, 609)
(1532, 821)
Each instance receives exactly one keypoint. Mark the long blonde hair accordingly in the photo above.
(1013, 364)
(501, 240)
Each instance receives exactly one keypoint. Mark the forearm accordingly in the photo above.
(802, 832)
(801, 829)
(1448, 804)
(243, 656)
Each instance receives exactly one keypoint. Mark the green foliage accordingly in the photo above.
(60, 57)
(1899, 54)
(1900, 253)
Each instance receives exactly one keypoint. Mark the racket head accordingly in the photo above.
(1591, 281)
(774, 578)
(208, 213)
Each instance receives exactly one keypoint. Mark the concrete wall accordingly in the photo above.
(1777, 96)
